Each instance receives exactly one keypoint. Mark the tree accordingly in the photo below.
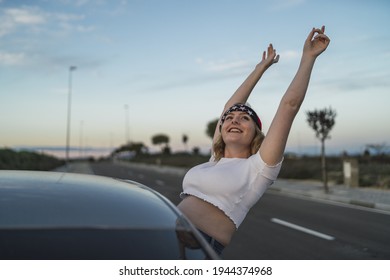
(196, 151)
(322, 121)
(211, 128)
(137, 147)
(185, 140)
(379, 148)
(160, 139)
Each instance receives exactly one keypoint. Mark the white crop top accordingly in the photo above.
(233, 185)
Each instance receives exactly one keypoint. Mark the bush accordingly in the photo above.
(309, 168)
(26, 160)
(373, 172)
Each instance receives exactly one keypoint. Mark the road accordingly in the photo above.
(285, 228)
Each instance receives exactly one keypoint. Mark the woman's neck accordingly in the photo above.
(236, 153)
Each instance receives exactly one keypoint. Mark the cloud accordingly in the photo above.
(12, 18)
(11, 58)
(289, 55)
(285, 4)
(223, 65)
(237, 66)
(352, 82)
(213, 73)
(210, 71)
(28, 18)
(25, 15)
(27, 29)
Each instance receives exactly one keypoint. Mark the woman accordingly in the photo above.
(218, 194)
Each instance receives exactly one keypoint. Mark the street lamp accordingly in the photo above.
(127, 138)
(71, 68)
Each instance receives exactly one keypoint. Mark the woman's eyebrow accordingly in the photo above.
(240, 113)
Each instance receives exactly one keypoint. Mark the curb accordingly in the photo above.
(361, 203)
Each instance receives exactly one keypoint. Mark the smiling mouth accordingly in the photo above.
(235, 130)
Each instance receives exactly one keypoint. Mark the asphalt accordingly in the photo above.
(369, 197)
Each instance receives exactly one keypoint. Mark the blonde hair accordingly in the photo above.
(219, 144)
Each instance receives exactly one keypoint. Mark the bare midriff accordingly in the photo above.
(208, 218)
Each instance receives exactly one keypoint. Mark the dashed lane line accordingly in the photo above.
(160, 183)
(303, 229)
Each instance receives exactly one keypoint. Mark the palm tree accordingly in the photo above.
(211, 128)
(185, 140)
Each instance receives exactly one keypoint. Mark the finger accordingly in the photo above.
(311, 34)
(276, 59)
(270, 49)
(264, 54)
(326, 37)
(323, 29)
(318, 30)
(322, 37)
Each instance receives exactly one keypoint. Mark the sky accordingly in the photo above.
(154, 66)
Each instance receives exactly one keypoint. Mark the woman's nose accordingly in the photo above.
(236, 121)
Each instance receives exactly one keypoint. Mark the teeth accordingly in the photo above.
(234, 130)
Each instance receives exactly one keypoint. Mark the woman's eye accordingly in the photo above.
(245, 118)
(229, 117)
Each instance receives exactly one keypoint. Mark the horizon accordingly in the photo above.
(76, 152)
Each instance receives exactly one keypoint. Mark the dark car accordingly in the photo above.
(62, 216)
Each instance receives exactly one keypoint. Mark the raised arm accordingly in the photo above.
(242, 94)
(272, 148)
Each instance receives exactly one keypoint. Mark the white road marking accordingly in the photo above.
(303, 229)
(160, 183)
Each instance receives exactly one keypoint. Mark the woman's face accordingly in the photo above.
(238, 128)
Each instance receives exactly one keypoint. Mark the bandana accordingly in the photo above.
(242, 108)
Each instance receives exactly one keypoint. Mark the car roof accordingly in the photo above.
(31, 199)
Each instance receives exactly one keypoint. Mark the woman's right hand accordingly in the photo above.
(269, 57)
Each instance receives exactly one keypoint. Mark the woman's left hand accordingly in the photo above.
(316, 44)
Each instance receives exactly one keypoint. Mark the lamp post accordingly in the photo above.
(81, 140)
(127, 138)
(71, 69)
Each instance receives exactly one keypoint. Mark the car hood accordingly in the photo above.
(49, 199)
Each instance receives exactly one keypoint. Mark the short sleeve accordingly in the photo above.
(269, 172)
